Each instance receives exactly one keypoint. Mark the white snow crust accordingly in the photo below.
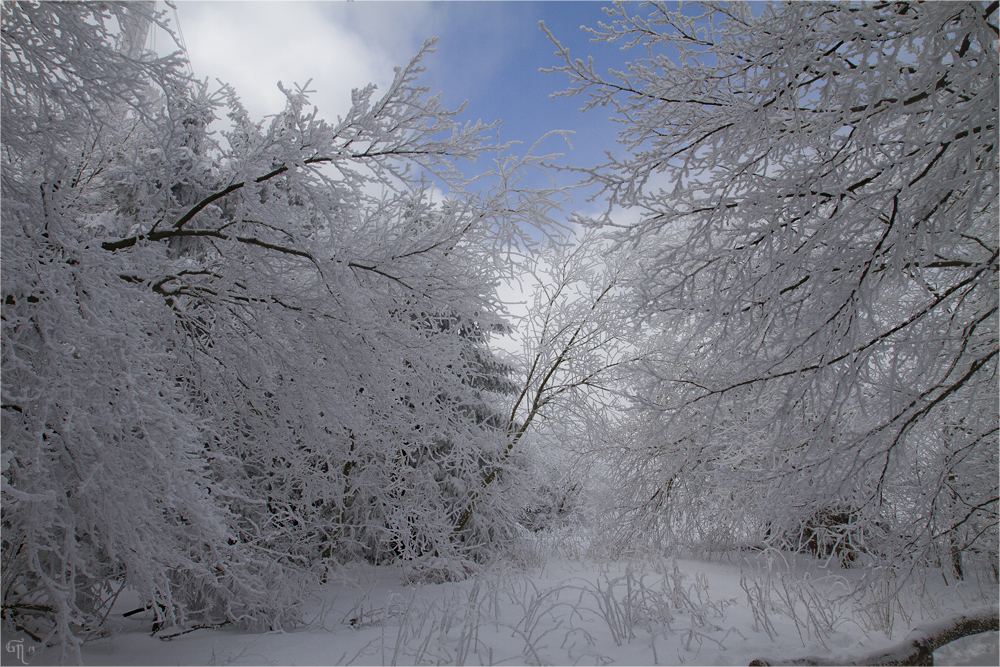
(567, 610)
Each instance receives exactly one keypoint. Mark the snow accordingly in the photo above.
(566, 609)
(981, 649)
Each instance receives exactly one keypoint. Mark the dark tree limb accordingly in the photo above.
(918, 647)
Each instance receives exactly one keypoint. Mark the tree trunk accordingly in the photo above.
(918, 647)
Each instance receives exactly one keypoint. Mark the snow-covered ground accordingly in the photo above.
(566, 610)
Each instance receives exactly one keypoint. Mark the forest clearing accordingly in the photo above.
(381, 386)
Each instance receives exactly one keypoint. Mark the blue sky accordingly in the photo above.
(489, 55)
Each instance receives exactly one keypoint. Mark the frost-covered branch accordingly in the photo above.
(231, 365)
(816, 193)
(576, 344)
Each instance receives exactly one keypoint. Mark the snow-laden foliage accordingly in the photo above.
(228, 363)
(576, 349)
(817, 189)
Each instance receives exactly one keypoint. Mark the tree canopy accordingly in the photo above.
(231, 362)
(817, 185)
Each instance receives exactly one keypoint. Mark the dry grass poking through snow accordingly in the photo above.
(559, 608)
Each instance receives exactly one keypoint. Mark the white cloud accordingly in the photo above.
(398, 29)
(253, 45)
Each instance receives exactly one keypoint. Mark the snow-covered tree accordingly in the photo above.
(817, 189)
(576, 344)
(226, 362)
